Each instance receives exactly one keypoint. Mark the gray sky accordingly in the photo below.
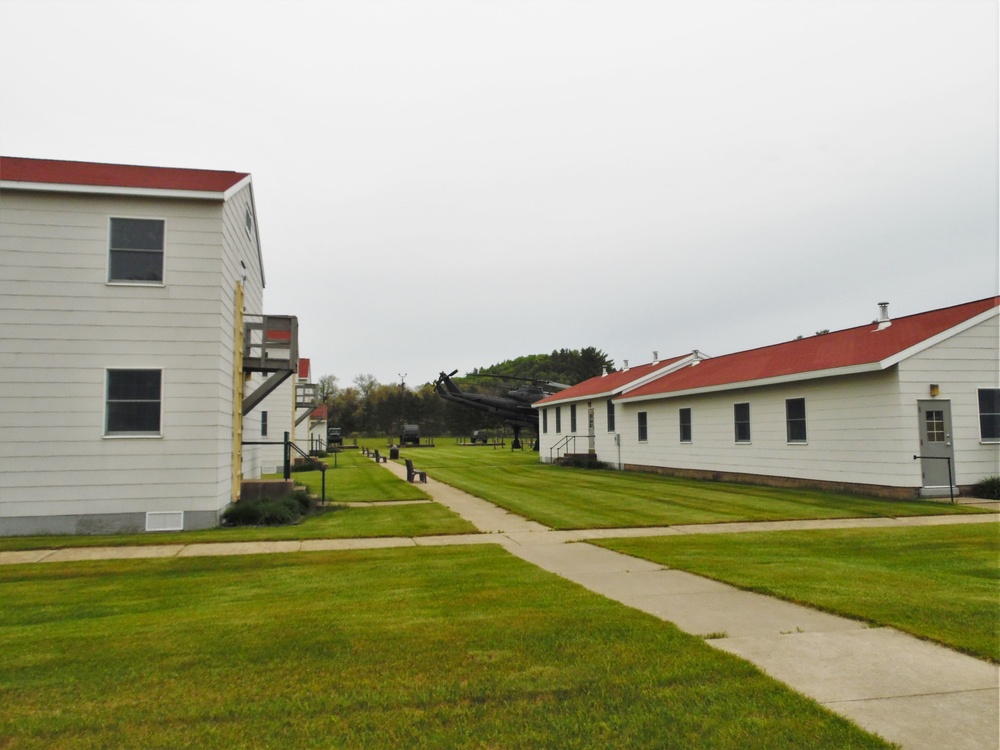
(445, 185)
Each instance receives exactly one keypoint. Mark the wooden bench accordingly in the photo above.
(412, 474)
(379, 458)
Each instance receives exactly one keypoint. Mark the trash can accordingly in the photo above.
(393, 452)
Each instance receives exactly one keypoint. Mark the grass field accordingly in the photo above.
(416, 648)
(566, 498)
(937, 582)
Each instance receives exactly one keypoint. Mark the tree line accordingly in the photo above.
(369, 408)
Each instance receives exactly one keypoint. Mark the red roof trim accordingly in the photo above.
(50, 172)
(608, 384)
(853, 347)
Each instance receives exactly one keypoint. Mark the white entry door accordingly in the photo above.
(937, 452)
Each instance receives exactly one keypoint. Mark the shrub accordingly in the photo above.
(263, 512)
(585, 461)
(987, 489)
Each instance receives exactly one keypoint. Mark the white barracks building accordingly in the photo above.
(899, 407)
(132, 346)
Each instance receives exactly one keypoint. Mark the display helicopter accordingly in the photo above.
(516, 408)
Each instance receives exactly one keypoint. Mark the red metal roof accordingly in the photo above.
(606, 384)
(47, 171)
(864, 345)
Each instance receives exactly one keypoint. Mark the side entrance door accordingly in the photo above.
(936, 445)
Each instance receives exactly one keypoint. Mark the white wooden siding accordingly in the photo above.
(62, 326)
(959, 366)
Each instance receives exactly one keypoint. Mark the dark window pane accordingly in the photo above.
(741, 413)
(133, 265)
(134, 416)
(685, 422)
(133, 401)
(989, 413)
(136, 234)
(133, 385)
(795, 418)
(989, 400)
(643, 432)
(611, 415)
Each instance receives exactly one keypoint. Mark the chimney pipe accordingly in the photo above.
(656, 357)
(883, 316)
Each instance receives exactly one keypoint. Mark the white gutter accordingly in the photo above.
(58, 187)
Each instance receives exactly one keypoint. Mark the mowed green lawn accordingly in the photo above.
(355, 479)
(568, 498)
(352, 478)
(416, 648)
(935, 582)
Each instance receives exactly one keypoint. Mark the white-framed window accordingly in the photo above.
(545, 421)
(263, 424)
(572, 418)
(795, 419)
(135, 251)
(989, 415)
(133, 403)
(741, 422)
(558, 420)
(643, 427)
(684, 417)
(249, 222)
(611, 415)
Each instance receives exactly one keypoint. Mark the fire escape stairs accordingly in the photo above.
(306, 397)
(270, 346)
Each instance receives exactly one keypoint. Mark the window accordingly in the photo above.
(741, 418)
(263, 424)
(643, 431)
(249, 223)
(989, 414)
(572, 417)
(133, 402)
(136, 252)
(545, 421)
(611, 415)
(935, 426)
(558, 419)
(795, 419)
(685, 420)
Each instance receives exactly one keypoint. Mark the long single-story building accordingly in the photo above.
(897, 408)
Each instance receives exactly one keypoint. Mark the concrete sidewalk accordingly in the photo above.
(909, 691)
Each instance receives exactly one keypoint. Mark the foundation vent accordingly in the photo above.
(169, 520)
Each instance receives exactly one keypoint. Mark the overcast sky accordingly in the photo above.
(446, 185)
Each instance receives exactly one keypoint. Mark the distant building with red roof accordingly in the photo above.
(848, 409)
(134, 347)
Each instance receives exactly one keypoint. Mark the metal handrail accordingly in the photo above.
(564, 443)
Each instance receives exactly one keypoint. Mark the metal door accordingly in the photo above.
(937, 454)
(591, 445)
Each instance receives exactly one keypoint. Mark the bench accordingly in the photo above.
(380, 459)
(412, 474)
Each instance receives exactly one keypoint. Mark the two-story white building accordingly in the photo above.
(897, 408)
(132, 345)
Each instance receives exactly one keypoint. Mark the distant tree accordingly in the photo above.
(327, 389)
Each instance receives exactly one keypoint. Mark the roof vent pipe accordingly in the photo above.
(883, 316)
(604, 371)
(626, 364)
(656, 357)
